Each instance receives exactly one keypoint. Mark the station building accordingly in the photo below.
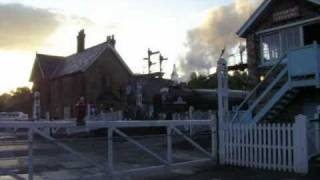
(99, 74)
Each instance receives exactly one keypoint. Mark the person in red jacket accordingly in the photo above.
(81, 112)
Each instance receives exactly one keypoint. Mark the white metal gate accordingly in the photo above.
(113, 128)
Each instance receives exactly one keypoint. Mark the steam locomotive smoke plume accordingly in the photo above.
(218, 30)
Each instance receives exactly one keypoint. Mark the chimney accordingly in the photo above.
(81, 41)
(111, 41)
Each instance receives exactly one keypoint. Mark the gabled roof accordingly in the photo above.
(55, 66)
(46, 64)
(80, 62)
(257, 14)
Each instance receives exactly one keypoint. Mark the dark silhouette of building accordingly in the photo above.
(98, 74)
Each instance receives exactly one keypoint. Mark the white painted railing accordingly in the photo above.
(110, 116)
(114, 128)
(13, 116)
(280, 147)
(194, 115)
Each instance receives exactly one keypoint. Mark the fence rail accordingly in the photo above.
(281, 147)
(114, 128)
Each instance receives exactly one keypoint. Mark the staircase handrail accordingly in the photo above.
(258, 86)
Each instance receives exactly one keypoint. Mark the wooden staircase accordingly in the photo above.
(281, 85)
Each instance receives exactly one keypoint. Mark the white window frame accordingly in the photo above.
(262, 60)
(278, 32)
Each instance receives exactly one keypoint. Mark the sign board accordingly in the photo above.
(286, 14)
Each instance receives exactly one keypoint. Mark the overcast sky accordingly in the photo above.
(51, 27)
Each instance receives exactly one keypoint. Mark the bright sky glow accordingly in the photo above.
(137, 25)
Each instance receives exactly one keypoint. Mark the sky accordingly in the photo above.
(50, 27)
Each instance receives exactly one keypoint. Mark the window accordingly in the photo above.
(290, 39)
(270, 45)
(276, 44)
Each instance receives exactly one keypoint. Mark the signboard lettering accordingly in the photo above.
(286, 14)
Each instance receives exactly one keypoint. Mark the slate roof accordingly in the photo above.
(47, 64)
(55, 66)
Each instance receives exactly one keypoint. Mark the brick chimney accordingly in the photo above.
(111, 41)
(81, 41)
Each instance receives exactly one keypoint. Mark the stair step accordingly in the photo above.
(273, 112)
(284, 101)
(269, 116)
(278, 107)
(281, 104)
(269, 119)
(294, 91)
(290, 96)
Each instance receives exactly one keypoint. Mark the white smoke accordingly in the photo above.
(218, 30)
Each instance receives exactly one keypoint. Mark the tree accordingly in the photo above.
(4, 100)
(199, 82)
(238, 81)
(18, 100)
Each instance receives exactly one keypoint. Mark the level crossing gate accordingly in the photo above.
(114, 128)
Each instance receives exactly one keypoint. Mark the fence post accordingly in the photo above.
(110, 150)
(36, 106)
(214, 137)
(317, 129)
(317, 135)
(30, 154)
(301, 159)
(88, 116)
(221, 140)
(120, 116)
(169, 144)
(191, 109)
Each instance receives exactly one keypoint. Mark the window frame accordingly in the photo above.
(279, 32)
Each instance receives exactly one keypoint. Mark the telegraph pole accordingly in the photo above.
(150, 63)
(161, 59)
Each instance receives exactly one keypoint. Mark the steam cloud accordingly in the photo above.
(27, 28)
(217, 31)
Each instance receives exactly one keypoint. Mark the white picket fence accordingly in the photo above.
(280, 147)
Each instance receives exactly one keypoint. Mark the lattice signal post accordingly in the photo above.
(150, 63)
